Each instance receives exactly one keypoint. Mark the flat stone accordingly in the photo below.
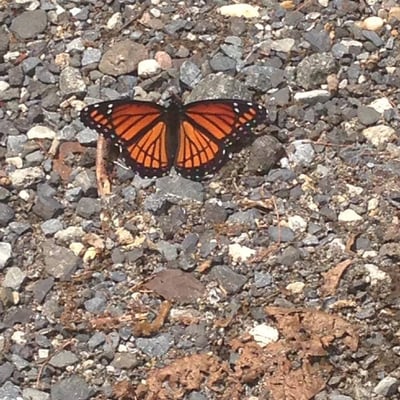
(122, 58)
(28, 24)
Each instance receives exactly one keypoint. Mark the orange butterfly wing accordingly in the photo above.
(207, 131)
(139, 128)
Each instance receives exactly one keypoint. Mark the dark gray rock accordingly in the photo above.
(88, 207)
(71, 388)
(7, 214)
(230, 280)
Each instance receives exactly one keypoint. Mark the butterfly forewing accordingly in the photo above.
(138, 127)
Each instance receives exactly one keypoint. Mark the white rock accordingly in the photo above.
(240, 253)
(381, 105)
(375, 274)
(297, 223)
(21, 177)
(5, 254)
(283, 45)
(379, 134)
(349, 215)
(373, 204)
(19, 337)
(40, 132)
(295, 287)
(312, 96)
(148, 68)
(354, 190)
(239, 10)
(372, 23)
(264, 334)
(16, 161)
(4, 86)
(114, 21)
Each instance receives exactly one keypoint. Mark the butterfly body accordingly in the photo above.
(194, 138)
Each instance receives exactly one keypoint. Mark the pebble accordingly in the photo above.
(296, 287)
(156, 346)
(61, 390)
(14, 278)
(47, 207)
(59, 262)
(71, 82)
(88, 207)
(303, 153)
(240, 253)
(372, 23)
(29, 24)
(91, 56)
(281, 234)
(5, 254)
(349, 215)
(379, 135)
(35, 394)
(122, 58)
(387, 386)
(264, 334)
(7, 214)
(262, 279)
(148, 68)
(63, 359)
(240, 10)
(190, 74)
(283, 45)
(178, 188)
(313, 96)
(376, 275)
(167, 250)
(231, 281)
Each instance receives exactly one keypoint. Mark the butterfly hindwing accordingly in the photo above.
(139, 128)
(209, 129)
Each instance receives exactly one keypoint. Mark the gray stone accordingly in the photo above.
(88, 207)
(14, 278)
(230, 280)
(156, 346)
(71, 388)
(63, 359)
(28, 24)
(178, 188)
(59, 262)
(7, 214)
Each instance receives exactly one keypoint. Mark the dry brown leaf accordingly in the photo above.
(309, 324)
(65, 150)
(145, 328)
(183, 376)
(332, 278)
(124, 390)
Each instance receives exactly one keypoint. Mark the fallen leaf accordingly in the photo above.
(332, 278)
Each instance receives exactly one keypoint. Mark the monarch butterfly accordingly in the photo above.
(194, 138)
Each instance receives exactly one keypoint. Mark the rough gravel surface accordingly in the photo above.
(277, 278)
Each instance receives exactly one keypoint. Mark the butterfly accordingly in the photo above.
(194, 138)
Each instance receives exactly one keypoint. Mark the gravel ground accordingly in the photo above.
(275, 279)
